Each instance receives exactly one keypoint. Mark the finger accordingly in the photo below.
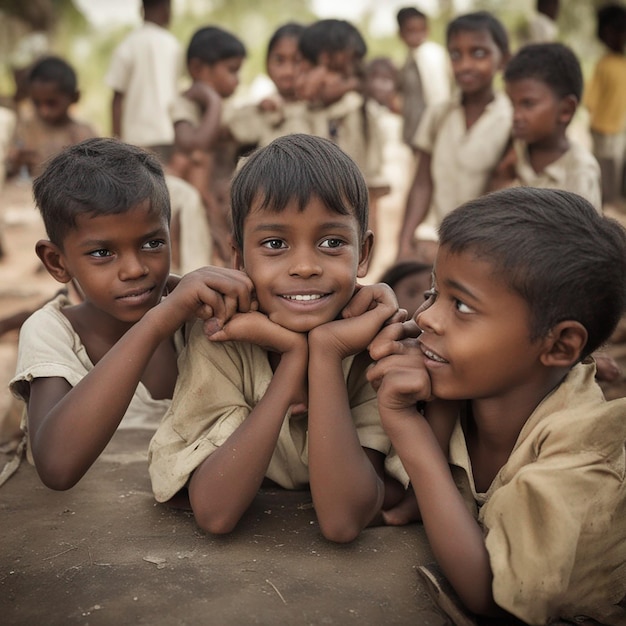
(368, 297)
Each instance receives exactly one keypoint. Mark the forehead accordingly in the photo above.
(474, 38)
(413, 23)
(47, 89)
(524, 87)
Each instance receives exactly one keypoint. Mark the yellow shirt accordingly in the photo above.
(605, 95)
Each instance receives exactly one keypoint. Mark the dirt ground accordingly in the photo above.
(105, 553)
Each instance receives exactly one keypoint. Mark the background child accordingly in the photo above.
(281, 113)
(410, 280)
(605, 98)
(214, 58)
(52, 88)
(545, 83)
(542, 26)
(144, 74)
(282, 393)
(460, 142)
(106, 210)
(425, 77)
(537, 526)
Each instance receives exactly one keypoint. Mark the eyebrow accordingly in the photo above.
(462, 288)
(284, 227)
(89, 243)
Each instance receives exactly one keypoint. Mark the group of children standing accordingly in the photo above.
(480, 416)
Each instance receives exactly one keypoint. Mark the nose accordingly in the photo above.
(132, 267)
(305, 265)
(429, 319)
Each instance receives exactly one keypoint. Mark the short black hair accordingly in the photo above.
(552, 248)
(212, 44)
(553, 64)
(610, 17)
(53, 69)
(290, 29)
(408, 13)
(331, 35)
(298, 167)
(100, 176)
(480, 21)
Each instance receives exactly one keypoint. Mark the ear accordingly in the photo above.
(564, 344)
(53, 260)
(194, 67)
(76, 97)
(366, 253)
(567, 109)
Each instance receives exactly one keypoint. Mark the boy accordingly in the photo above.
(537, 525)
(605, 98)
(458, 143)
(282, 393)
(144, 74)
(545, 83)
(214, 58)
(52, 88)
(83, 368)
(425, 77)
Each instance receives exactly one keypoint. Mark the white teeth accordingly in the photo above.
(304, 298)
(433, 356)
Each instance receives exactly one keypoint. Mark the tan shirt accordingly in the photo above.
(218, 386)
(577, 171)
(462, 159)
(555, 515)
(605, 95)
(146, 68)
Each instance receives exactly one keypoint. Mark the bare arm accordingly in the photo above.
(347, 488)
(224, 485)
(116, 114)
(69, 427)
(417, 205)
(188, 137)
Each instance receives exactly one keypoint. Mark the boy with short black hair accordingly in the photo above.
(526, 509)
(53, 89)
(282, 394)
(214, 58)
(545, 83)
(83, 368)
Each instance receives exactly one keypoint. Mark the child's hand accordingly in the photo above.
(370, 308)
(270, 105)
(257, 328)
(310, 86)
(202, 93)
(213, 294)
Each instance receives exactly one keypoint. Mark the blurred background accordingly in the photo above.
(85, 32)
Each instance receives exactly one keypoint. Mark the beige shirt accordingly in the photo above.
(146, 68)
(555, 515)
(250, 125)
(50, 347)
(462, 159)
(356, 130)
(577, 171)
(218, 386)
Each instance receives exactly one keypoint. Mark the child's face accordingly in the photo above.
(121, 262)
(538, 113)
(476, 339)
(414, 32)
(50, 102)
(223, 75)
(283, 63)
(304, 264)
(475, 59)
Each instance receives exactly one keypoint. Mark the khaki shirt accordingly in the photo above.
(577, 171)
(462, 159)
(554, 517)
(218, 386)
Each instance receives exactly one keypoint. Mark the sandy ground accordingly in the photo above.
(105, 553)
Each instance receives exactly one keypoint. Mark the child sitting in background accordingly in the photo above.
(83, 368)
(52, 88)
(281, 393)
(459, 142)
(525, 508)
(410, 280)
(281, 113)
(605, 98)
(545, 83)
(214, 58)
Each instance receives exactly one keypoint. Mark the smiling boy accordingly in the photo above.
(281, 393)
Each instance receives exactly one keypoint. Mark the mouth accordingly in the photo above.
(136, 296)
(303, 297)
(430, 355)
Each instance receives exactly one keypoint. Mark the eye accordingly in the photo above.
(332, 242)
(274, 244)
(153, 244)
(100, 254)
(461, 307)
(480, 53)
